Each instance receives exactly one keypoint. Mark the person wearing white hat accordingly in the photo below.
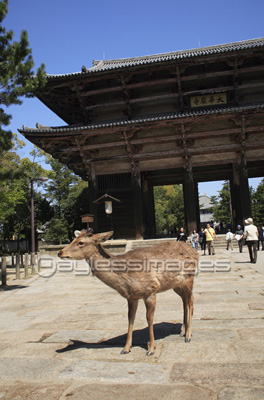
(251, 235)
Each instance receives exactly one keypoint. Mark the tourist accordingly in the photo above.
(210, 237)
(239, 236)
(229, 239)
(202, 240)
(194, 239)
(261, 237)
(251, 235)
(182, 237)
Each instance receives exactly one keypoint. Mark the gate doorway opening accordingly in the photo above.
(169, 210)
(215, 205)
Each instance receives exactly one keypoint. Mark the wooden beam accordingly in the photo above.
(160, 139)
(155, 82)
(127, 98)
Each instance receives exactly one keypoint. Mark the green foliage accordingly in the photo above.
(169, 208)
(15, 178)
(257, 203)
(16, 74)
(61, 191)
(57, 230)
(76, 205)
(221, 205)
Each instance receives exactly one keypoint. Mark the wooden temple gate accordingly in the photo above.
(182, 117)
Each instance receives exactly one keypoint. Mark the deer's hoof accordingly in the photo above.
(149, 353)
(125, 351)
(187, 340)
(182, 334)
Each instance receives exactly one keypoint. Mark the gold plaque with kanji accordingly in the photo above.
(208, 100)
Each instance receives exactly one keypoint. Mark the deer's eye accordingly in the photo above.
(80, 243)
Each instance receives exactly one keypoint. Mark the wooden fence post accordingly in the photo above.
(26, 265)
(32, 262)
(3, 271)
(17, 266)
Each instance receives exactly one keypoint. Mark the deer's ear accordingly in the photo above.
(102, 237)
(77, 233)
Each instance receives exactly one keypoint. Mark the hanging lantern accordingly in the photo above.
(108, 207)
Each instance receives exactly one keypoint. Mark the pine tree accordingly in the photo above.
(16, 75)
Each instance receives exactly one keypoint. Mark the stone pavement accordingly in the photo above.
(61, 337)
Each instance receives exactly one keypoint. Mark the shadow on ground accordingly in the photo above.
(140, 338)
(12, 287)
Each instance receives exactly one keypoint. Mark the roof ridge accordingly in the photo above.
(106, 65)
(146, 118)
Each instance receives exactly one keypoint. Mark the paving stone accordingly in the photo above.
(31, 391)
(231, 323)
(139, 392)
(251, 334)
(218, 373)
(67, 336)
(70, 330)
(3, 346)
(111, 372)
(32, 350)
(250, 351)
(241, 393)
(208, 335)
(194, 352)
(18, 368)
(256, 306)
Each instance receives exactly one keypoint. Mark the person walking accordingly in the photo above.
(210, 237)
(202, 240)
(251, 235)
(182, 237)
(229, 239)
(194, 239)
(261, 237)
(239, 236)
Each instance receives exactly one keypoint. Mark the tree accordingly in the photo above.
(61, 181)
(221, 205)
(169, 208)
(75, 206)
(16, 74)
(257, 203)
(15, 216)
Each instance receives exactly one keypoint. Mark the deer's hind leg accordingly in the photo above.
(132, 309)
(150, 304)
(187, 301)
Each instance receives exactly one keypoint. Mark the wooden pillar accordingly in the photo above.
(92, 196)
(148, 208)
(3, 271)
(240, 196)
(137, 203)
(190, 194)
(197, 206)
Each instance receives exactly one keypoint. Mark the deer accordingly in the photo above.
(140, 274)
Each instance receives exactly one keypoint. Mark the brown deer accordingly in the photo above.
(140, 274)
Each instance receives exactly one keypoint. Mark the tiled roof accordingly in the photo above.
(143, 119)
(107, 65)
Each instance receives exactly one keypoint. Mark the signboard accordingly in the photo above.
(207, 100)
(87, 218)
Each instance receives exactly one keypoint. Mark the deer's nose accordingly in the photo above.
(59, 253)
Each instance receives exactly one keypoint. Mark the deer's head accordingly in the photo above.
(84, 245)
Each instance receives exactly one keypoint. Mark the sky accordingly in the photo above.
(67, 34)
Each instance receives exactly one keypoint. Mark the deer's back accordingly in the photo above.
(157, 268)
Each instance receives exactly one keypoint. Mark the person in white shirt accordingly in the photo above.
(229, 238)
(251, 235)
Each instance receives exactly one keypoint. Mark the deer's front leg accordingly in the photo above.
(150, 303)
(132, 309)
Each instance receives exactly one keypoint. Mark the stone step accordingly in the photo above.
(120, 246)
